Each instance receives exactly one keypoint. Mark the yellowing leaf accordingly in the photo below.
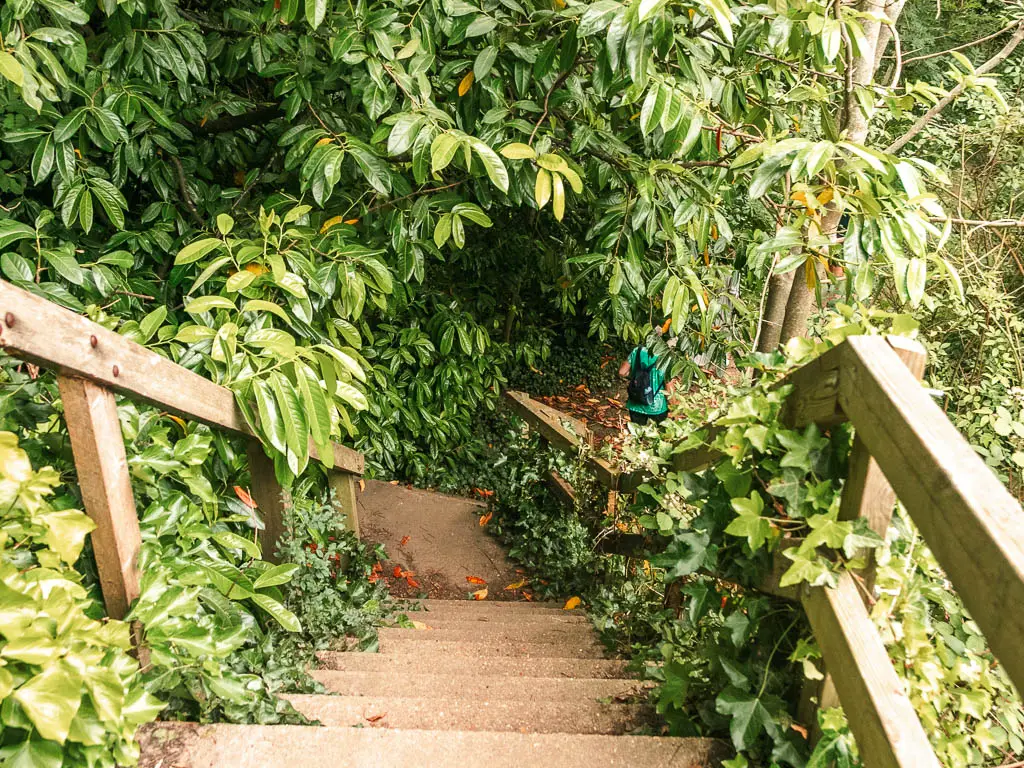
(485, 519)
(351, 222)
(571, 604)
(331, 222)
(810, 274)
(419, 625)
(480, 594)
(177, 420)
(542, 188)
(466, 84)
(324, 140)
(475, 580)
(559, 4)
(517, 151)
(517, 584)
(256, 269)
(825, 196)
(557, 196)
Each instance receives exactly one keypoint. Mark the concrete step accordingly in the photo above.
(492, 666)
(499, 616)
(468, 685)
(185, 745)
(434, 647)
(457, 714)
(536, 632)
(492, 606)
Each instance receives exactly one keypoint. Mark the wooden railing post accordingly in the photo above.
(866, 493)
(344, 486)
(271, 499)
(102, 465)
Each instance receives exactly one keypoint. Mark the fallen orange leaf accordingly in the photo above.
(404, 541)
(375, 718)
(517, 584)
(571, 604)
(362, 485)
(243, 494)
(799, 729)
(399, 573)
(411, 581)
(485, 519)
(480, 594)
(475, 580)
(528, 595)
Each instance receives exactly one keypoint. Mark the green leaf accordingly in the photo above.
(750, 715)
(66, 530)
(317, 412)
(296, 428)
(234, 541)
(805, 568)
(442, 150)
(279, 574)
(516, 151)
(206, 303)
(484, 62)
(11, 231)
(198, 249)
(496, 170)
(282, 615)
(11, 69)
(271, 423)
(35, 753)
(315, 12)
(51, 700)
(65, 265)
(224, 223)
(258, 305)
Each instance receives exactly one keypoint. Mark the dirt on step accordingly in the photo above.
(435, 544)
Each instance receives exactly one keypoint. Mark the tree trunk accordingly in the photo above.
(770, 331)
(794, 294)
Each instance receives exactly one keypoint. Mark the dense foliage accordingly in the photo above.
(368, 218)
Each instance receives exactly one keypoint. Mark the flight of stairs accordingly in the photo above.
(474, 684)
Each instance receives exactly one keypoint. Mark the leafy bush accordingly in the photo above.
(331, 589)
(71, 695)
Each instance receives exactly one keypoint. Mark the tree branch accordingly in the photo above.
(228, 123)
(948, 99)
(547, 97)
(963, 47)
(183, 189)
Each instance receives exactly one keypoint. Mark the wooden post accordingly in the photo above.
(102, 465)
(344, 486)
(866, 493)
(271, 499)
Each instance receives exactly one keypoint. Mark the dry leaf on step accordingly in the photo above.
(480, 594)
(571, 604)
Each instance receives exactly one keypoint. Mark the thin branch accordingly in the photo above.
(547, 97)
(430, 191)
(981, 223)
(963, 47)
(898, 46)
(944, 102)
(183, 189)
(228, 123)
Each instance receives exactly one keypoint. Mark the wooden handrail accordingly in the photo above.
(92, 363)
(53, 337)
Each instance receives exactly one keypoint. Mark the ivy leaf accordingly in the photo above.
(826, 531)
(66, 530)
(806, 567)
(687, 554)
(750, 714)
(803, 451)
(750, 524)
(672, 693)
(51, 700)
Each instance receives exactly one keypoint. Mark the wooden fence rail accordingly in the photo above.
(905, 446)
(92, 364)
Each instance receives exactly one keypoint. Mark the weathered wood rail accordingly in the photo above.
(92, 363)
(905, 447)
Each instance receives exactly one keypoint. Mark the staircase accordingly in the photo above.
(474, 684)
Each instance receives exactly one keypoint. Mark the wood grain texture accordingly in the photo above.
(102, 466)
(57, 338)
(561, 488)
(271, 500)
(561, 431)
(973, 525)
(882, 719)
(344, 486)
